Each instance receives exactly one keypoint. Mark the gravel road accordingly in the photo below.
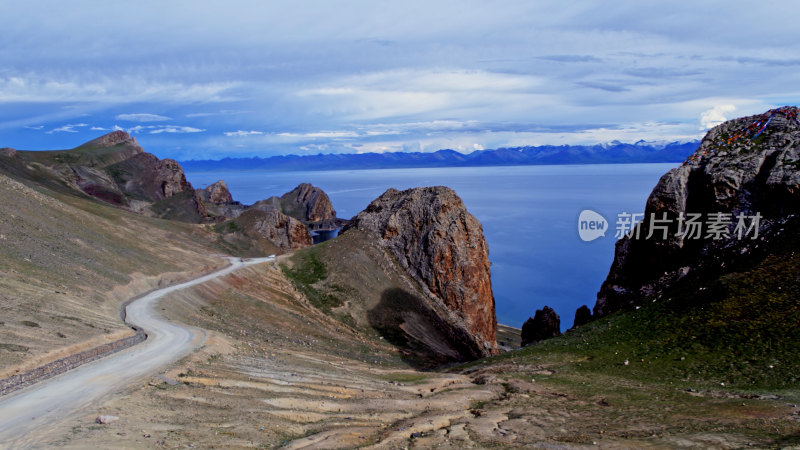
(25, 413)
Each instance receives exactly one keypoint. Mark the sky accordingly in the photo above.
(208, 80)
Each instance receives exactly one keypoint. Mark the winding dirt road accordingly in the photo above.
(51, 401)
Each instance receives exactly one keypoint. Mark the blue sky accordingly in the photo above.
(195, 80)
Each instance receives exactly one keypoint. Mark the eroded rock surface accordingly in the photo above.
(307, 203)
(216, 193)
(441, 246)
(287, 233)
(743, 168)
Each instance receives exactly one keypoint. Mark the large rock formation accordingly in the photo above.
(441, 246)
(307, 203)
(743, 169)
(544, 324)
(147, 177)
(583, 315)
(114, 138)
(8, 152)
(287, 233)
(216, 193)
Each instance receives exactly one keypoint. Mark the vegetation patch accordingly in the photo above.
(306, 273)
(13, 347)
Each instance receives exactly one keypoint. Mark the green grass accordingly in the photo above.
(410, 378)
(740, 330)
(306, 271)
(229, 226)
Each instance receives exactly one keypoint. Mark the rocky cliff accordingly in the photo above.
(725, 206)
(440, 245)
(307, 203)
(216, 193)
(286, 233)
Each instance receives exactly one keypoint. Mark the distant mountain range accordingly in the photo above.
(611, 153)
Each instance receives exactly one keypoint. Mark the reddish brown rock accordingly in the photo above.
(147, 177)
(286, 233)
(216, 193)
(8, 152)
(441, 245)
(114, 138)
(307, 203)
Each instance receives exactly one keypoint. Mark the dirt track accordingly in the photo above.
(54, 400)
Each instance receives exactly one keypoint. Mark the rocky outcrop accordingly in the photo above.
(441, 246)
(286, 233)
(272, 203)
(149, 178)
(8, 152)
(114, 138)
(544, 324)
(307, 203)
(744, 176)
(583, 315)
(216, 193)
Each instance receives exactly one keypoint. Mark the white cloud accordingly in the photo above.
(70, 128)
(142, 117)
(715, 116)
(36, 88)
(175, 129)
(239, 133)
(158, 129)
(98, 129)
(321, 134)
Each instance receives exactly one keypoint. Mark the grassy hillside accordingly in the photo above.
(352, 279)
(740, 330)
(67, 263)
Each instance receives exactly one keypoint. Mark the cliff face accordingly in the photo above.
(441, 246)
(307, 203)
(287, 233)
(147, 177)
(743, 168)
(216, 193)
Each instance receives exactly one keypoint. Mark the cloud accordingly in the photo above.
(142, 117)
(70, 128)
(715, 116)
(34, 127)
(98, 129)
(176, 130)
(571, 58)
(240, 133)
(25, 87)
(321, 134)
(159, 129)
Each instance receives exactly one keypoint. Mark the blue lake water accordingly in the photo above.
(529, 216)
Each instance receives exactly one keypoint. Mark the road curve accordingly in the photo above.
(47, 403)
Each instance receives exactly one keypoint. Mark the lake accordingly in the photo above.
(529, 216)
